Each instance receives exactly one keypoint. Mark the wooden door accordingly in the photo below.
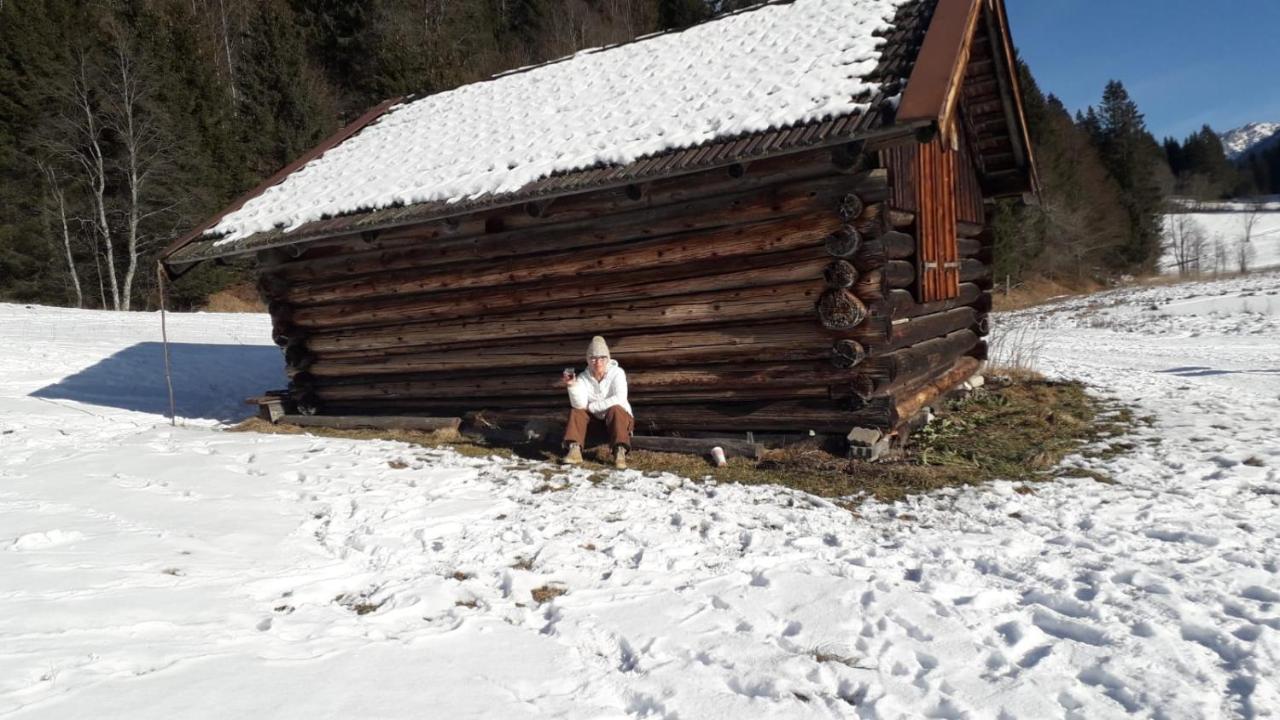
(938, 262)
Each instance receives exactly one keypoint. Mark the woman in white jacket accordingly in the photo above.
(598, 401)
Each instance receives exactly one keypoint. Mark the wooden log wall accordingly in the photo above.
(773, 297)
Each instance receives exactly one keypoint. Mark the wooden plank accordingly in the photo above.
(907, 407)
(902, 304)
(886, 374)
(725, 274)
(728, 307)
(438, 244)
(757, 238)
(671, 381)
(764, 342)
(388, 422)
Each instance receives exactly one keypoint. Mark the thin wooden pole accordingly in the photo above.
(164, 335)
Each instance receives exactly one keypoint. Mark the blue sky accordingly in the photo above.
(1186, 62)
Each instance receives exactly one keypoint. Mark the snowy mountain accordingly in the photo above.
(1250, 138)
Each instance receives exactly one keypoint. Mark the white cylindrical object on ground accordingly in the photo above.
(717, 454)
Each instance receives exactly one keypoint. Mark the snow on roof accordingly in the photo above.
(766, 68)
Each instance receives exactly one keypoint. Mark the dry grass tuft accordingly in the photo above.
(1038, 291)
(1016, 431)
(358, 604)
(835, 653)
(547, 593)
(1014, 428)
(240, 298)
(435, 438)
(1016, 352)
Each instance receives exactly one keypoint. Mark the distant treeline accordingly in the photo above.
(1106, 184)
(125, 122)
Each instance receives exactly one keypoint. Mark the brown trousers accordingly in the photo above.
(617, 426)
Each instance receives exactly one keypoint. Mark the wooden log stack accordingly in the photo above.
(775, 296)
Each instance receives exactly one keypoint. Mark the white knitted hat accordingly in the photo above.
(597, 348)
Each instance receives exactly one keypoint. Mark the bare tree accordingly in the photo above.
(1244, 247)
(1186, 241)
(1221, 254)
(108, 134)
(59, 198)
(85, 145)
(143, 152)
(226, 48)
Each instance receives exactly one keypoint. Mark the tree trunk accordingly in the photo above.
(59, 197)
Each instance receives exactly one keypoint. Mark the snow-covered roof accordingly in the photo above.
(770, 67)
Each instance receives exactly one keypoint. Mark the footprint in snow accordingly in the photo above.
(1068, 630)
(44, 540)
(1260, 594)
(1112, 686)
(1061, 605)
(1230, 653)
(1247, 633)
(1034, 656)
(1181, 536)
(1011, 632)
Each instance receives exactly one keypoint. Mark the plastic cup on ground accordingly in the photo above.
(717, 454)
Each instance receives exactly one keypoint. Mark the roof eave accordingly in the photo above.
(933, 90)
(365, 222)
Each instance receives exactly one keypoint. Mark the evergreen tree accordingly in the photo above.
(1269, 171)
(1090, 123)
(1205, 173)
(1131, 155)
(1175, 156)
(338, 36)
(1079, 220)
(34, 43)
(678, 14)
(284, 107)
(518, 20)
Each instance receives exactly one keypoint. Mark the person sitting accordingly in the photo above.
(598, 403)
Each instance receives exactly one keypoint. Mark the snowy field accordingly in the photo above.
(157, 572)
(1224, 223)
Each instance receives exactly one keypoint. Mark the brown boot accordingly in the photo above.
(620, 457)
(574, 456)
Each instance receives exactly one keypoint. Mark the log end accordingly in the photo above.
(846, 354)
(840, 274)
(841, 310)
(843, 243)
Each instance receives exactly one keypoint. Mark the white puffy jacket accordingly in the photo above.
(597, 397)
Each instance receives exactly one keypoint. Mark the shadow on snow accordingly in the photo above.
(1201, 371)
(209, 381)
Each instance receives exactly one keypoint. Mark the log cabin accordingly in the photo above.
(780, 219)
